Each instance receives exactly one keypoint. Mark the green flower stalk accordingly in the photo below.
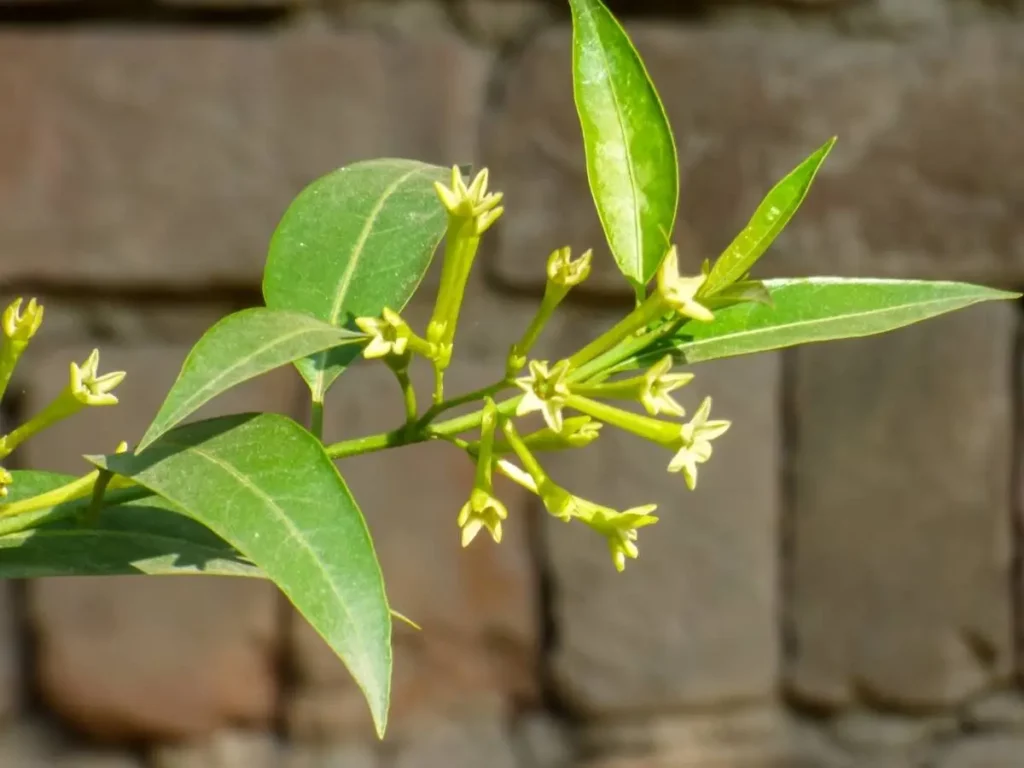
(18, 329)
(484, 509)
(471, 212)
(85, 388)
(563, 274)
(674, 294)
(619, 528)
(653, 389)
(690, 441)
(577, 432)
(557, 500)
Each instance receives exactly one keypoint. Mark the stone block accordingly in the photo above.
(692, 622)
(899, 530)
(744, 738)
(477, 649)
(167, 158)
(130, 657)
(983, 751)
(922, 182)
(225, 749)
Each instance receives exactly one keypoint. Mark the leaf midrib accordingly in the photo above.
(683, 347)
(295, 532)
(637, 232)
(342, 287)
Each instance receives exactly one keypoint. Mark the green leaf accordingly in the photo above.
(265, 484)
(631, 156)
(140, 536)
(239, 347)
(353, 242)
(770, 218)
(813, 309)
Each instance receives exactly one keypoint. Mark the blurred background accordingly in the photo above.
(841, 589)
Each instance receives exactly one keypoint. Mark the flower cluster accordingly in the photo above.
(578, 396)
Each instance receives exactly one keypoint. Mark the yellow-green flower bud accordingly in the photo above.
(22, 327)
(90, 389)
(680, 292)
(564, 271)
(484, 509)
(6, 481)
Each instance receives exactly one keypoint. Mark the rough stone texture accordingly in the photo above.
(467, 742)
(11, 678)
(354, 755)
(746, 738)
(692, 621)
(125, 320)
(995, 751)
(890, 739)
(127, 657)
(900, 548)
(921, 182)
(406, 18)
(168, 158)
(226, 749)
(500, 22)
(1001, 710)
(543, 742)
(31, 744)
(476, 606)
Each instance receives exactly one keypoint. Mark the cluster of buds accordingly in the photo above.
(85, 386)
(579, 383)
(552, 389)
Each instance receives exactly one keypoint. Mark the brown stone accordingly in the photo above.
(501, 22)
(131, 657)
(225, 749)
(476, 605)
(922, 182)
(11, 679)
(466, 742)
(983, 751)
(900, 550)
(693, 620)
(168, 158)
(744, 738)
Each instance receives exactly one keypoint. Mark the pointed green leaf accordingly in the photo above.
(264, 484)
(353, 242)
(631, 156)
(139, 536)
(768, 221)
(814, 309)
(239, 347)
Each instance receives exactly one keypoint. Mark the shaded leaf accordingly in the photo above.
(814, 309)
(265, 484)
(239, 347)
(139, 536)
(353, 242)
(631, 156)
(768, 221)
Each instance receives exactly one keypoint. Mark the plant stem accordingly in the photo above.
(420, 433)
(316, 420)
(455, 402)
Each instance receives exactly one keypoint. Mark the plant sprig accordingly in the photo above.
(259, 495)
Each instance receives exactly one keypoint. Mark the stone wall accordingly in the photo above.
(841, 591)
